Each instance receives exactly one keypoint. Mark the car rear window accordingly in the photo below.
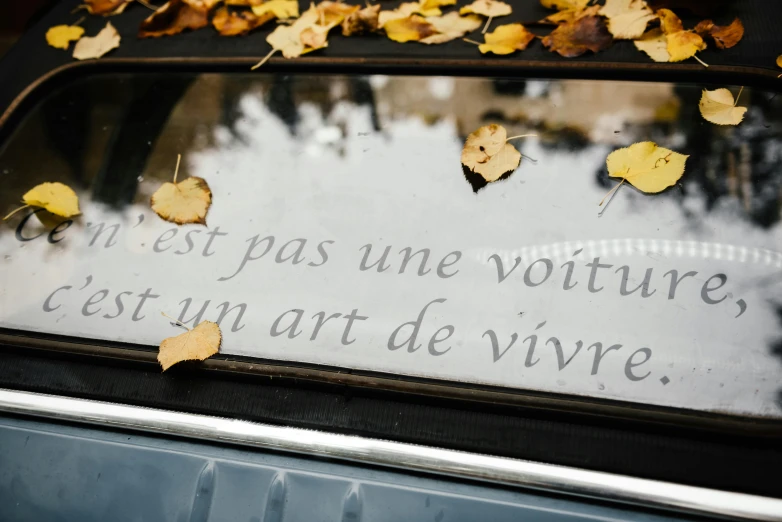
(344, 230)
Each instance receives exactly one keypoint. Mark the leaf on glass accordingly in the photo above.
(646, 166)
(185, 202)
(487, 153)
(719, 107)
(56, 198)
(197, 344)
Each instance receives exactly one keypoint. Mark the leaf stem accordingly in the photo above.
(521, 136)
(178, 323)
(612, 191)
(486, 27)
(479, 43)
(533, 160)
(80, 20)
(147, 4)
(15, 211)
(701, 61)
(176, 170)
(737, 96)
(265, 58)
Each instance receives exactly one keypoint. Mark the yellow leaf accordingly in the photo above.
(669, 22)
(683, 45)
(506, 39)
(282, 9)
(486, 153)
(364, 21)
(779, 60)
(490, 8)
(315, 37)
(106, 7)
(647, 166)
(96, 46)
(570, 15)
(411, 29)
(332, 13)
(200, 343)
(561, 5)
(60, 36)
(185, 202)
(627, 19)
(655, 44)
(288, 38)
(55, 197)
(719, 107)
(451, 26)
(403, 11)
(434, 4)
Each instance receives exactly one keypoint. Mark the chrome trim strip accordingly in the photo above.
(513, 472)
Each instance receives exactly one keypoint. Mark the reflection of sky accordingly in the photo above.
(338, 179)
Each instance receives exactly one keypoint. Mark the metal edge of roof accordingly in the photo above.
(411, 457)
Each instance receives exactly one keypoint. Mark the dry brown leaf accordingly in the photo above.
(203, 4)
(61, 36)
(57, 198)
(333, 13)
(719, 107)
(574, 38)
(506, 39)
(197, 344)
(90, 47)
(282, 9)
(414, 28)
(725, 36)
(488, 8)
(106, 7)
(570, 15)
(173, 17)
(655, 44)
(185, 202)
(363, 21)
(627, 19)
(487, 153)
(561, 5)
(451, 26)
(229, 23)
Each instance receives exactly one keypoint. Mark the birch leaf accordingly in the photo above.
(489, 8)
(282, 9)
(506, 39)
(647, 166)
(719, 107)
(185, 202)
(561, 5)
(486, 153)
(655, 44)
(229, 23)
(173, 17)
(364, 21)
(96, 46)
(333, 13)
(570, 15)
(627, 19)
(574, 38)
(61, 36)
(683, 45)
(57, 198)
(197, 344)
(725, 36)
(106, 7)
(414, 28)
(451, 26)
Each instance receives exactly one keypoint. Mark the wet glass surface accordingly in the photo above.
(314, 178)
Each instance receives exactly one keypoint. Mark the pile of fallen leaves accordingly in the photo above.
(579, 26)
